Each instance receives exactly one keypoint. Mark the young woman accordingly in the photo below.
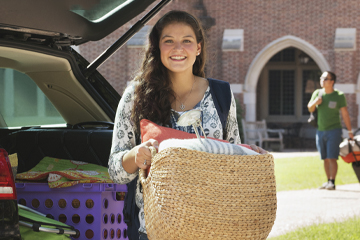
(171, 81)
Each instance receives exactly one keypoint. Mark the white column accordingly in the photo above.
(236, 88)
(250, 103)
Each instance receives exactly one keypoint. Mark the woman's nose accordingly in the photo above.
(178, 46)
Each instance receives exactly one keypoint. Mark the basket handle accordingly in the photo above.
(142, 172)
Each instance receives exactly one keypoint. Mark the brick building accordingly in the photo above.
(271, 52)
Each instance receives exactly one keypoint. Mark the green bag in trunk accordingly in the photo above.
(35, 226)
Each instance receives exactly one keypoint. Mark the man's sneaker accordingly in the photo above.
(330, 186)
(324, 185)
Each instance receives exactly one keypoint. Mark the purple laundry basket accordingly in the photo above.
(95, 209)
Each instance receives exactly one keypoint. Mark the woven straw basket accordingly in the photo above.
(196, 195)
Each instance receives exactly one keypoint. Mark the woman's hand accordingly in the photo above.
(143, 153)
(258, 149)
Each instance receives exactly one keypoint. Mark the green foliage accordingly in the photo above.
(239, 116)
(308, 172)
(348, 229)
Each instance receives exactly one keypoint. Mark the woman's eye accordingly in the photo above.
(187, 41)
(168, 41)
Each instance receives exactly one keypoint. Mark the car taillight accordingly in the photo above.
(7, 183)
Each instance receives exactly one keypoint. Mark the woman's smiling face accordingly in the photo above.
(178, 47)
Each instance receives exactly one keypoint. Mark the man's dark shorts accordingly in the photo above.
(327, 143)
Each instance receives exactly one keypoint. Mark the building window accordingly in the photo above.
(286, 55)
(233, 40)
(345, 39)
(281, 92)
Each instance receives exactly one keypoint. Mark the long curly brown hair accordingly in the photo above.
(153, 92)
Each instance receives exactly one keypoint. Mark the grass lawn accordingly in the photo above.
(308, 172)
(348, 230)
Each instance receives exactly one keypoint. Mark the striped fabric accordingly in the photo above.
(207, 145)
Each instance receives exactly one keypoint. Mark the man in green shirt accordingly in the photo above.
(328, 135)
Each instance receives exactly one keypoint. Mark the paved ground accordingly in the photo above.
(306, 207)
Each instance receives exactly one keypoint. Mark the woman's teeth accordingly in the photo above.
(177, 57)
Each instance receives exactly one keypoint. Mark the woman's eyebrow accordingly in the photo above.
(165, 36)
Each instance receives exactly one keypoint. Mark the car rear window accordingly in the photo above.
(101, 10)
(22, 103)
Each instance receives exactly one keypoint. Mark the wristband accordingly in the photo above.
(350, 131)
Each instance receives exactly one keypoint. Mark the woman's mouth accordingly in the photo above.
(177, 58)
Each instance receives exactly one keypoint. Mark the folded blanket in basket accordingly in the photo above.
(65, 173)
(207, 145)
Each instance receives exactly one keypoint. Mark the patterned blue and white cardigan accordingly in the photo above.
(124, 136)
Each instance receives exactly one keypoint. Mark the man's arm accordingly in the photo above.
(312, 105)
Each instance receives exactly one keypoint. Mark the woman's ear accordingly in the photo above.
(198, 49)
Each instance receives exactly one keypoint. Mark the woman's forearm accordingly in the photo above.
(128, 161)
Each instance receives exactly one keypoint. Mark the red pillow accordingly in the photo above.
(150, 130)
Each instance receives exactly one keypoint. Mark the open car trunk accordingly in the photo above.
(39, 49)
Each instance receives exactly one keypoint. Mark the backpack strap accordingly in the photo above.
(131, 211)
(221, 94)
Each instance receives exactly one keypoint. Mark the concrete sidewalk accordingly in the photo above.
(307, 207)
(302, 208)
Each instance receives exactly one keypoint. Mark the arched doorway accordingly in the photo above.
(285, 86)
(262, 59)
(279, 84)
